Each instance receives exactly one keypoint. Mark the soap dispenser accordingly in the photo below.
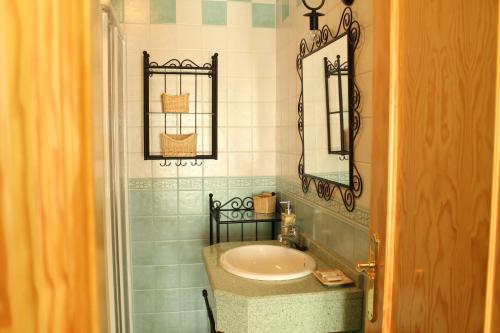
(287, 222)
(287, 217)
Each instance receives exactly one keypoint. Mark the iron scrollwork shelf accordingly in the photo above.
(179, 70)
(237, 211)
(326, 188)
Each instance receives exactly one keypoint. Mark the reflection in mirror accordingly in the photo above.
(326, 112)
(337, 105)
(329, 119)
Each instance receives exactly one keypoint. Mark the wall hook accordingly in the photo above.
(196, 163)
(180, 163)
(165, 163)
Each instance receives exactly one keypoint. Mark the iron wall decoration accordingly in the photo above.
(325, 188)
(179, 70)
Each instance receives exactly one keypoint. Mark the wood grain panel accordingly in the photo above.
(47, 232)
(445, 113)
(492, 304)
(380, 143)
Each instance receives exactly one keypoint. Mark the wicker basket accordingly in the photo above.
(264, 203)
(178, 145)
(175, 103)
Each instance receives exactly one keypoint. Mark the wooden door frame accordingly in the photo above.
(492, 307)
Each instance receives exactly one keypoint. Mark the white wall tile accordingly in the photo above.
(264, 139)
(239, 14)
(239, 89)
(169, 171)
(135, 138)
(136, 11)
(240, 164)
(137, 36)
(239, 114)
(264, 89)
(214, 38)
(164, 37)
(264, 114)
(216, 168)
(239, 139)
(264, 164)
(189, 12)
(189, 37)
(138, 167)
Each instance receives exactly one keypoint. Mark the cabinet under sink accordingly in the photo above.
(298, 305)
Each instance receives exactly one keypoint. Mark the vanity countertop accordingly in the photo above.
(299, 305)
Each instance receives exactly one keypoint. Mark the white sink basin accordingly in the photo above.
(267, 262)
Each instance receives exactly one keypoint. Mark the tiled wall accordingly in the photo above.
(344, 234)
(169, 227)
(168, 205)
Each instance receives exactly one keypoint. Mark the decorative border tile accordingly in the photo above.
(215, 183)
(240, 182)
(191, 184)
(264, 181)
(140, 183)
(165, 183)
(360, 215)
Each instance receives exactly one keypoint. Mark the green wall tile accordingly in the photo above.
(194, 322)
(214, 12)
(167, 322)
(193, 227)
(263, 15)
(165, 253)
(169, 227)
(167, 277)
(143, 277)
(140, 203)
(141, 228)
(285, 10)
(194, 275)
(190, 202)
(190, 251)
(142, 253)
(163, 11)
(144, 301)
(164, 203)
(143, 323)
(192, 299)
(167, 300)
(165, 228)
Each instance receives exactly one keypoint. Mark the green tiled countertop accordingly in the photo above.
(300, 305)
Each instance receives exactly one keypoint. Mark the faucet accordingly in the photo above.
(291, 238)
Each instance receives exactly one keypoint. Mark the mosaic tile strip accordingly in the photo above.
(165, 183)
(359, 215)
(190, 184)
(214, 183)
(240, 182)
(140, 184)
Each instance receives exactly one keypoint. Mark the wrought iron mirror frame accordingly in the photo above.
(325, 188)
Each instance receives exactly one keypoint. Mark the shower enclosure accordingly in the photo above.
(111, 174)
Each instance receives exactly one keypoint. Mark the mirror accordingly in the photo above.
(328, 112)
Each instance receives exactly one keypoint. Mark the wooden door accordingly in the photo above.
(434, 106)
(48, 270)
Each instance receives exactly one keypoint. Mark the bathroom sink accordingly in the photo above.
(267, 262)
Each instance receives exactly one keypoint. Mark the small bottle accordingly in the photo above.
(287, 217)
